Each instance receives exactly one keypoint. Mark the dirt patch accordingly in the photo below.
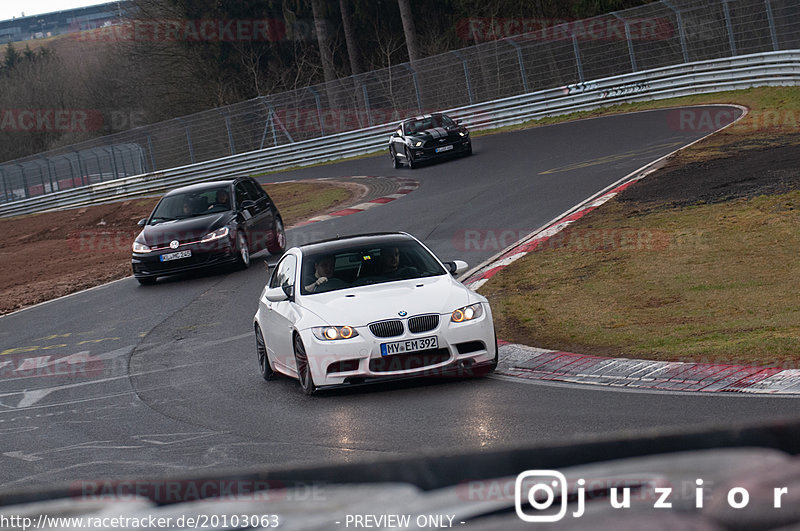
(52, 254)
(742, 174)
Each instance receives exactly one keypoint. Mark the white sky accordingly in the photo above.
(15, 8)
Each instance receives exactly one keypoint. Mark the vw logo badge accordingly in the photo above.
(402, 313)
(174, 244)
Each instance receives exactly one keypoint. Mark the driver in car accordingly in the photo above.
(323, 275)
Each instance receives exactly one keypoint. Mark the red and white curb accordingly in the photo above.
(520, 249)
(529, 363)
(405, 186)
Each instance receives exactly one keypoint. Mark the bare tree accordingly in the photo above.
(325, 53)
(409, 29)
(353, 51)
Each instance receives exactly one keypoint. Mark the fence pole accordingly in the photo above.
(771, 20)
(24, 180)
(578, 63)
(188, 139)
(230, 133)
(466, 76)
(681, 29)
(727, 10)
(416, 85)
(80, 166)
(5, 185)
(629, 41)
(362, 80)
(50, 176)
(319, 109)
(521, 63)
(152, 154)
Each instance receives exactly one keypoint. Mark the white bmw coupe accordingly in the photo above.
(370, 307)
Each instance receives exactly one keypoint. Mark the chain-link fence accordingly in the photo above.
(505, 63)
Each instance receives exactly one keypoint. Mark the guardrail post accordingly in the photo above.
(771, 20)
(152, 154)
(466, 75)
(578, 63)
(319, 109)
(524, 77)
(727, 10)
(416, 85)
(681, 29)
(41, 178)
(188, 139)
(629, 41)
(99, 167)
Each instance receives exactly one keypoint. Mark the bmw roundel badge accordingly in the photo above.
(402, 313)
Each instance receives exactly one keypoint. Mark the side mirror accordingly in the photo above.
(247, 203)
(276, 295)
(142, 222)
(456, 267)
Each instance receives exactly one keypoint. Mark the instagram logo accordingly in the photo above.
(540, 488)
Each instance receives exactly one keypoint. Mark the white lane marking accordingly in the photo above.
(167, 439)
(89, 445)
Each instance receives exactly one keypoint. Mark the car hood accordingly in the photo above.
(438, 133)
(366, 304)
(183, 230)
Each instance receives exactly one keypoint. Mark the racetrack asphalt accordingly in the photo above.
(166, 381)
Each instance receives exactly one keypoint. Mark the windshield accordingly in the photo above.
(360, 266)
(191, 204)
(428, 122)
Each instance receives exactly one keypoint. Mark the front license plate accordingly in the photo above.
(410, 345)
(175, 256)
(443, 148)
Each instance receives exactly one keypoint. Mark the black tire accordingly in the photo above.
(303, 368)
(242, 251)
(496, 359)
(146, 281)
(395, 163)
(263, 361)
(469, 151)
(278, 244)
(409, 160)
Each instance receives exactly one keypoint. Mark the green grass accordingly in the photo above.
(719, 284)
(300, 200)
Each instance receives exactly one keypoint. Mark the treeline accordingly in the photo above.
(170, 58)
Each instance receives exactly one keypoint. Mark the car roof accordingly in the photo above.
(199, 187)
(376, 239)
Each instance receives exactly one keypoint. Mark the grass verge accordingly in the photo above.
(670, 276)
(53, 254)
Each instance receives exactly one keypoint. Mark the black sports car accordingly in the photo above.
(428, 137)
(207, 225)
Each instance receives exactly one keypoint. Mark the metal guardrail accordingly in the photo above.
(763, 69)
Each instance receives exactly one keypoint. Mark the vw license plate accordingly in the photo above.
(175, 256)
(443, 148)
(410, 345)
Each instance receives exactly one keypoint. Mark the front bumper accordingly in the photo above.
(463, 348)
(204, 255)
(423, 153)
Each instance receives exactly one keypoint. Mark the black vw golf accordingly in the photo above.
(207, 225)
(428, 137)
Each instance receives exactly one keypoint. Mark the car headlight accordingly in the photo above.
(140, 248)
(332, 333)
(467, 313)
(216, 235)
(418, 143)
(463, 133)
